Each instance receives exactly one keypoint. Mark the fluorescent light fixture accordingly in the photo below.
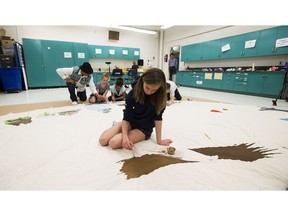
(166, 26)
(129, 29)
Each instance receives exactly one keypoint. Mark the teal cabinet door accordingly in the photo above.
(250, 50)
(205, 50)
(34, 63)
(92, 51)
(195, 52)
(207, 79)
(80, 53)
(240, 82)
(225, 47)
(265, 83)
(217, 81)
(255, 82)
(237, 46)
(187, 78)
(136, 53)
(266, 42)
(56, 54)
(125, 53)
(228, 81)
(215, 49)
(185, 53)
(282, 35)
(180, 78)
(50, 60)
(273, 83)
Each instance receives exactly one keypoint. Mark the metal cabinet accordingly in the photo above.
(43, 57)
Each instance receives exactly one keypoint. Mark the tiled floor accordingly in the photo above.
(60, 94)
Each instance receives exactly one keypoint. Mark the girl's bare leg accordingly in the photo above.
(107, 135)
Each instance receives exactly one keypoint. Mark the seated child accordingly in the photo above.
(118, 91)
(102, 88)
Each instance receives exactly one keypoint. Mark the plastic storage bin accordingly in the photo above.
(11, 79)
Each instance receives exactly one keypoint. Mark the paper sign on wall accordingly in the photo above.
(67, 55)
(125, 52)
(225, 48)
(98, 51)
(250, 44)
(208, 76)
(112, 52)
(282, 42)
(218, 76)
(81, 55)
(136, 53)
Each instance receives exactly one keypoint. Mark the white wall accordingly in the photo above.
(152, 48)
(93, 35)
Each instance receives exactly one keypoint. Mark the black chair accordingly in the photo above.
(131, 76)
(115, 74)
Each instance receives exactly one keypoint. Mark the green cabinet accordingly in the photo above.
(266, 42)
(113, 52)
(215, 51)
(254, 83)
(240, 82)
(43, 57)
(34, 63)
(196, 52)
(228, 80)
(282, 34)
(80, 53)
(265, 83)
(185, 53)
(180, 78)
(235, 46)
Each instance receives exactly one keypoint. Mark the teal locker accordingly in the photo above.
(34, 63)
(281, 34)
(266, 42)
(80, 53)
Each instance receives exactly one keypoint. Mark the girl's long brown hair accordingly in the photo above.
(153, 76)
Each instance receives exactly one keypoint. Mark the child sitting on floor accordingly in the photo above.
(102, 88)
(118, 91)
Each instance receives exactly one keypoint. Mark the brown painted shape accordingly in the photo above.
(138, 166)
(237, 152)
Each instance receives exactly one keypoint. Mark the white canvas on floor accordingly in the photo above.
(61, 152)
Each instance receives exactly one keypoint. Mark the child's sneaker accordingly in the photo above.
(74, 103)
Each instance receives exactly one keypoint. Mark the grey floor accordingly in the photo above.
(60, 94)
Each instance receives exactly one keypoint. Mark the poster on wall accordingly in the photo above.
(250, 44)
(225, 48)
(98, 51)
(136, 53)
(282, 42)
(112, 52)
(81, 55)
(67, 55)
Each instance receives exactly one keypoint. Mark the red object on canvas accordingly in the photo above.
(215, 110)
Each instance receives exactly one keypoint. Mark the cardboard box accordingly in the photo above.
(2, 32)
(7, 43)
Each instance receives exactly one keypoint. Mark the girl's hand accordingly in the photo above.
(127, 144)
(165, 142)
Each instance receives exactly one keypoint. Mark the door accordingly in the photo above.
(34, 63)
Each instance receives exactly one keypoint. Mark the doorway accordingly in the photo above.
(175, 50)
